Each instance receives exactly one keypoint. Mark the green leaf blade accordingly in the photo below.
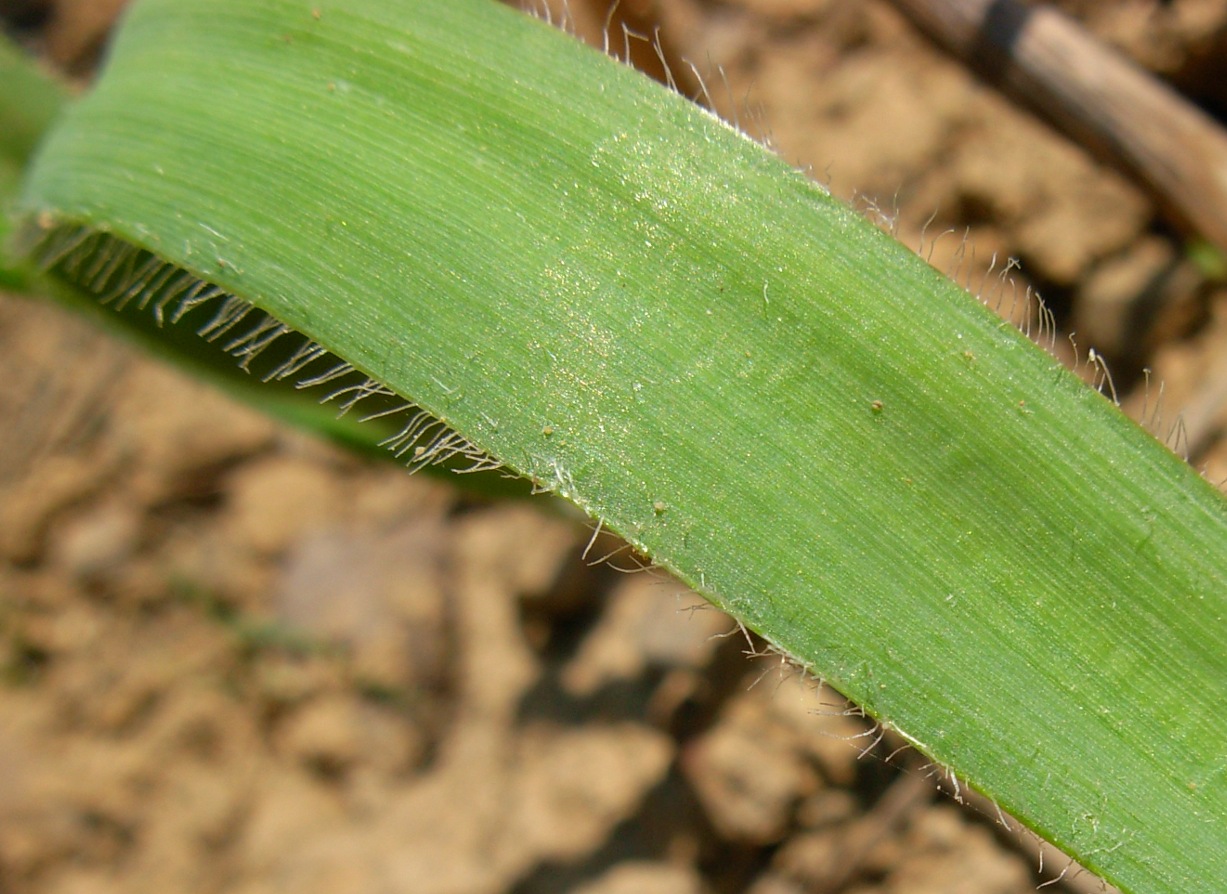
(624, 299)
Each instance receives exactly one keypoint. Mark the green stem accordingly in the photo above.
(30, 100)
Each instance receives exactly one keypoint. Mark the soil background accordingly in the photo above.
(234, 658)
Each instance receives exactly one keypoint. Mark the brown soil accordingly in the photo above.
(235, 659)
